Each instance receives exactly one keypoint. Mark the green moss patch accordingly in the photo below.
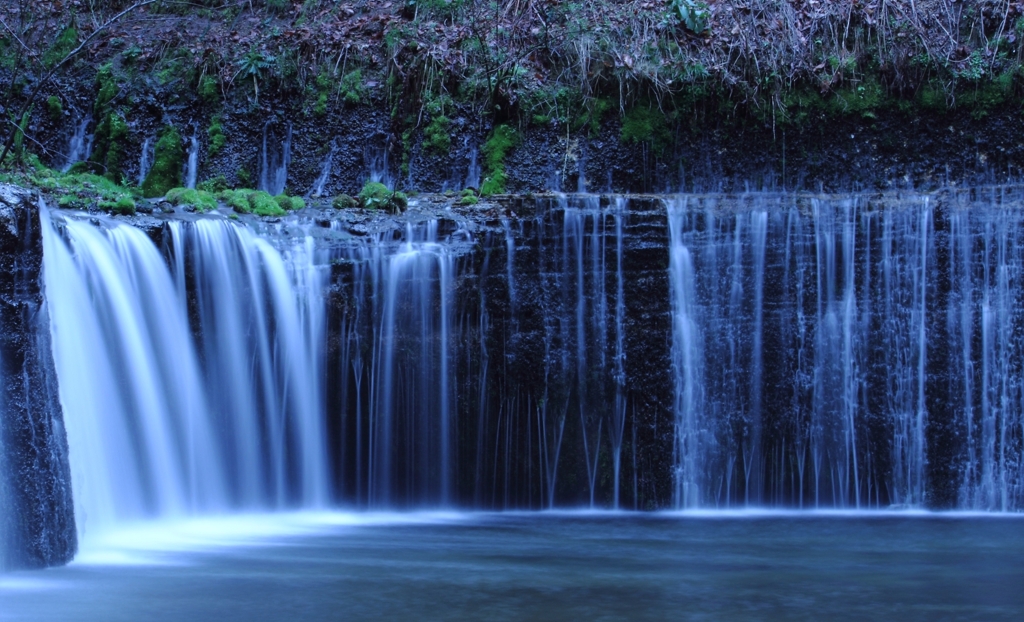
(500, 142)
(215, 136)
(199, 199)
(376, 195)
(168, 157)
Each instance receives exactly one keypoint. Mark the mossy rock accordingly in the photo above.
(168, 159)
(122, 205)
(263, 204)
(237, 200)
(288, 203)
(214, 185)
(245, 201)
(500, 142)
(215, 134)
(376, 195)
(199, 199)
(344, 201)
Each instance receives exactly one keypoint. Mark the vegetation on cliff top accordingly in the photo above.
(655, 63)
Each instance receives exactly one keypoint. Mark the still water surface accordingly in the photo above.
(573, 566)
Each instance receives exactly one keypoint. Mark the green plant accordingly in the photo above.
(320, 107)
(469, 199)
(215, 136)
(121, 205)
(244, 177)
(693, 13)
(19, 136)
(344, 201)
(646, 125)
(214, 185)
(200, 199)
(437, 135)
(168, 157)
(375, 195)
(208, 90)
(352, 89)
(252, 65)
(502, 139)
(65, 42)
(263, 204)
(108, 147)
(54, 107)
(80, 190)
(288, 203)
(237, 200)
(107, 89)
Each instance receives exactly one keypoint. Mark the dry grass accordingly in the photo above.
(752, 51)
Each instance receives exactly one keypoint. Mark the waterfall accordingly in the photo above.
(704, 351)
(325, 171)
(398, 436)
(146, 159)
(833, 352)
(192, 163)
(129, 379)
(692, 443)
(274, 162)
(472, 168)
(155, 429)
(79, 145)
(581, 171)
(376, 159)
(261, 319)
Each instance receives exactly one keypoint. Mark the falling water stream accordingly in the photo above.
(192, 162)
(803, 376)
(161, 425)
(79, 144)
(275, 156)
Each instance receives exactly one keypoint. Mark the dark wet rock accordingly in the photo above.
(35, 482)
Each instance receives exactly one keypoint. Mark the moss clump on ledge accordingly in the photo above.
(376, 195)
(288, 203)
(81, 190)
(199, 199)
(168, 158)
(344, 201)
(246, 201)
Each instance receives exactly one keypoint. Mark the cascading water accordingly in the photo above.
(145, 159)
(154, 432)
(129, 378)
(325, 171)
(261, 329)
(824, 352)
(192, 162)
(843, 364)
(377, 170)
(79, 145)
(472, 168)
(274, 161)
(396, 431)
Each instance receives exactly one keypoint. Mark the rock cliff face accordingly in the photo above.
(553, 315)
(37, 515)
(340, 151)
